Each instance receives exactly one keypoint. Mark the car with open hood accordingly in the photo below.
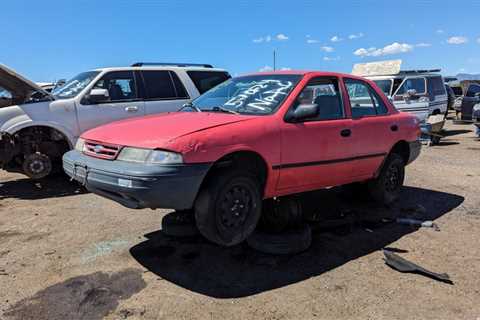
(37, 126)
(248, 140)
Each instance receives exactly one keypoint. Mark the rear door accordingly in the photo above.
(317, 152)
(163, 91)
(373, 131)
(123, 102)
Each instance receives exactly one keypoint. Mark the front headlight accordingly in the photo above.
(149, 156)
(80, 144)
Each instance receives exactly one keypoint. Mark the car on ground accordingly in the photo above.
(421, 92)
(37, 127)
(252, 138)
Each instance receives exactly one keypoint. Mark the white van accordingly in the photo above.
(37, 127)
(421, 92)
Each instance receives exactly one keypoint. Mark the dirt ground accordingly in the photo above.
(67, 254)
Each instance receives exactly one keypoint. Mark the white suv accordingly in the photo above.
(37, 127)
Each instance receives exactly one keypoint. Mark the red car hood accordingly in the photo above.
(155, 131)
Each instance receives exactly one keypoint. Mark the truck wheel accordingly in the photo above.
(228, 207)
(386, 187)
(179, 224)
(37, 165)
(291, 241)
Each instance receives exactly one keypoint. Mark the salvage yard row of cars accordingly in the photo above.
(193, 139)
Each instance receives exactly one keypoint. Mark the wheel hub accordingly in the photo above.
(235, 207)
(392, 180)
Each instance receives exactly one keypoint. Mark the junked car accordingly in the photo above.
(421, 92)
(37, 127)
(252, 138)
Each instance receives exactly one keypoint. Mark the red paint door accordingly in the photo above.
(317, 152)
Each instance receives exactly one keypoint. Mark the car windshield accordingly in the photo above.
(73, 86)
(384, 85)
(255, 95)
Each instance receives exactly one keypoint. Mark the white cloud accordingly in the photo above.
(327, 49)
(457, 40)
(262, 39)
(356, 36)
(423, 44)
(281, 37)
(265, 69)
(331, 58)
(336, 39)
(312, 41)
(440, 31)
(394, 48)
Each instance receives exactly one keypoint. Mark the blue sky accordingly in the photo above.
(47, 40)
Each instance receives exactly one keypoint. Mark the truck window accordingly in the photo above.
(418, 84)
(120, 85)
(158, 85)
(205, 80)
(472, 90)
(436, 86)
(326, 94)
(457, 91)
(384, 85)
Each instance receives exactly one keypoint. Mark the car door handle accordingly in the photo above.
(394, 127)
(346, 133)
(131, 109)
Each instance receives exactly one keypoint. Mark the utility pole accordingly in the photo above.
(274, 60)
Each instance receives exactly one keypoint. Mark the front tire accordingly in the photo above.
(385, 189)
(228, 207)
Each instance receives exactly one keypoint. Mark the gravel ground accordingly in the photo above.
(67, 254)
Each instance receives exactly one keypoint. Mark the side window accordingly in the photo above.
(179, 87)
(418, 84)
(472, 90)
(437, 86)
(326, 94)
(205, 80)
(361, 99)
(159, 85)
(120, 85)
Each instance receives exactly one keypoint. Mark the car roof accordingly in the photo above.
(167, 67)
(315, 73)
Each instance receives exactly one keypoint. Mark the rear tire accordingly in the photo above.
(385, 189)
(228, 207)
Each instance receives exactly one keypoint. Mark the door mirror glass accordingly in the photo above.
(305, 111)
(98, 96)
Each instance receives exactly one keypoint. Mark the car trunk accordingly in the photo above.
(16, 89)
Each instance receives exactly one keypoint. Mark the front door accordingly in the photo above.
(123, 101)
(317, 152)
(414, 103)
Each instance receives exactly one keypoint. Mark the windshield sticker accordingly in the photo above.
(264, 93)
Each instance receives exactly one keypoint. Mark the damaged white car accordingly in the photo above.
(37, 127)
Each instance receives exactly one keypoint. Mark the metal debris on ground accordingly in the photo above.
(400, 264)
(418, 223)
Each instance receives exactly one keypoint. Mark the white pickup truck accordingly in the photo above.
(37, 127)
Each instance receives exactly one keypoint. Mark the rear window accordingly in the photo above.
(163, 85)
(205, 80)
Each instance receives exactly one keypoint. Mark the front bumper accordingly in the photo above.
(415, 148)
(136, 185)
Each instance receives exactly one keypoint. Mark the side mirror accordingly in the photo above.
(411, 92)
(98, 95)
(304, 111)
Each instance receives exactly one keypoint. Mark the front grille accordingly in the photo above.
(101, 150)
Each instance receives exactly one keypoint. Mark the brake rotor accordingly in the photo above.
(37, 165)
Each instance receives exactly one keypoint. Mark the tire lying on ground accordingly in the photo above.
(291, 241)
(179, 224)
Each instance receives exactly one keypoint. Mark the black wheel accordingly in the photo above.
(386, 187)
(435, 140)
(179, 224)
(280, 213)
(37, 165)
(291, 241)
(228, 207)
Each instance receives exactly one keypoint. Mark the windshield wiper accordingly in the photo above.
(222, 109)
(190, 105)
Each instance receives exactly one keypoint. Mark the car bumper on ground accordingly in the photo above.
(415, 148)
(136, 185)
